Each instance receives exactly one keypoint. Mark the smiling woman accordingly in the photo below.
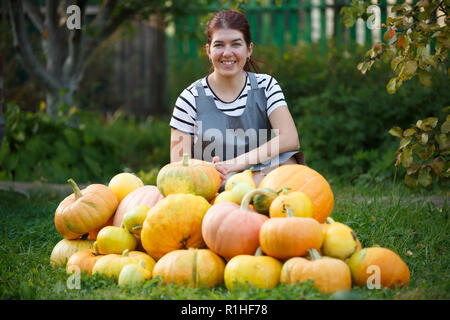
(233, 117)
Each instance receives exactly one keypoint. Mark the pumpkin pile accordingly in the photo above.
(187, 233)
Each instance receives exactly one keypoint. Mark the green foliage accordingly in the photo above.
(407, 35)
(424, 151)
(79, 145)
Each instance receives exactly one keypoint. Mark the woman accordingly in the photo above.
(232, 117)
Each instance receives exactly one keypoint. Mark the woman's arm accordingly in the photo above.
(180, 143)
(286, 140)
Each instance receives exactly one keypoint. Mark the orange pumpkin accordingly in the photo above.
(189, 176)
(93, 234)
(192, 267)
(83, 260)
(378, 262)
(328, 274)
(298, 177)
(174, 223)
(290, 237)
(148, 195)
(84, 211)
(230, 230)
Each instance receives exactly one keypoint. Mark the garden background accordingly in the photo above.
(119, 117)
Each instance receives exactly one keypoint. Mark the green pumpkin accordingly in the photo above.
(262, 201)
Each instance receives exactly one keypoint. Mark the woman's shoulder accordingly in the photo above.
(191, 89)
(264, 80)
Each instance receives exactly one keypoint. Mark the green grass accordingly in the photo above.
(381, 215)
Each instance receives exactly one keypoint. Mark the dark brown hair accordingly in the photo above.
(233, 19)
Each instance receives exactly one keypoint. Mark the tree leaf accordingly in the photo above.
(396, 132)
(411, 180)
(443, 140)
(425, 178)
(410, 67)
(445, 127)
(405, 141)
(409, 132)
(413, 168)
(390, 87)
(406, 157)
(438, 164)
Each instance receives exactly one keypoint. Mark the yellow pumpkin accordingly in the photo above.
(111, 264)
(174, 223)
(124, 183)
(244, 176)
(134, 218)
(224, 196)
(133, 274)
(297, 201)
(258, 270)
(114, 240)
(192, 267)
(339, 241)
(65, 248)
(328, 274)
(189, 176)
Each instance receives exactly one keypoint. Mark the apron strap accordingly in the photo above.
(200, 89)
(253, 82)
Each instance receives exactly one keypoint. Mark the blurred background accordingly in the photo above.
(91, 114)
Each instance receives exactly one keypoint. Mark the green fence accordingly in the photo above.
(290, 23)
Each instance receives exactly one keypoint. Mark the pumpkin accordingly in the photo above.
(113, 239)
(292, 236)
(65, 248)
(134, 219)
(133, 274)
(189, 176)
(84, 211)
(239, 190)
(124, 183)
(83, 260)
(262, 201)
(258, 270)
(378, 262)
(328, 274)
(174, 223)
(302, 178)
(224, 196)
(297, 201)
(111, 264)
(148, 195)
(244, 176)
(192, 267)
(339, 241)
(230, 230)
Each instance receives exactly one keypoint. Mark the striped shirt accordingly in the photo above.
(185, 113)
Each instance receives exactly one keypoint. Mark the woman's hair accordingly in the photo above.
(233, 19)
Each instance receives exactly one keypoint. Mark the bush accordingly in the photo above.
(86, 147)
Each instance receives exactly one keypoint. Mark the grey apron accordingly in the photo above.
(218, 134)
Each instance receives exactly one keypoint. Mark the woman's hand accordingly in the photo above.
(225, 167)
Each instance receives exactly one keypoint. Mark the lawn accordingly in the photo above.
(392, 217)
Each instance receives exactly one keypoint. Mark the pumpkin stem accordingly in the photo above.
(330, 220)
(249, 196)
(75, 188)
(284, 190)
(314, 254)
(136, 228)
(258, 252)
(125, 252)
(185, 160)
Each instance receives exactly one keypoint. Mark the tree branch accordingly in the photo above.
(34, 13)
(22, 45)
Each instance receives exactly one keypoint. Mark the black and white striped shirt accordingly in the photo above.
(185, 112)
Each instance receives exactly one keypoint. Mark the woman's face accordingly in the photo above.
(228, 52)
